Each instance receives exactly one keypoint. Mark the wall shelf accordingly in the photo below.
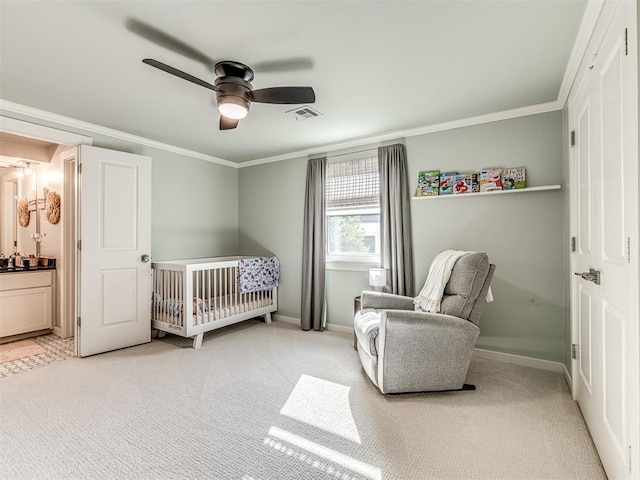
(497, 192)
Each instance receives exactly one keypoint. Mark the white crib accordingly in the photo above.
(191, 297)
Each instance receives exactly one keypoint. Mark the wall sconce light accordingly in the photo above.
(24, 168)
(377, 279)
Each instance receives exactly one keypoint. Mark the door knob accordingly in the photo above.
(592, 275)
(144, 258)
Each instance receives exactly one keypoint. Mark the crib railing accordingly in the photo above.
(217, 295)
(168, 296)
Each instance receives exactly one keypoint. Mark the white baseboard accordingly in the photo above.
(296, 321)
(339, 328)
(285, 319)
(519, 360)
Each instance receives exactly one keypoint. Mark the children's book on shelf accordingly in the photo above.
(463, 183)
(475, 182)
(447, 182)
(513, 178)
(490, 179)
(428, 183)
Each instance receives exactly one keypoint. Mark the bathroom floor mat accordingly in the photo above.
(20, 349)
(24, 355)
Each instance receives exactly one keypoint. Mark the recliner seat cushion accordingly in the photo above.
(467, 278)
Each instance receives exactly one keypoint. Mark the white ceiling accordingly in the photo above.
(378, 67)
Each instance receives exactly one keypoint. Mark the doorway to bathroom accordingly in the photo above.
(102, 242)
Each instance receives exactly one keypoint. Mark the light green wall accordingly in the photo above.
(522, 233)
(194, 203)
(194, 208)
(271, 203)
(342, 288)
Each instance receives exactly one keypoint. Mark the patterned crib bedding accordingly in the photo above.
(258, 273)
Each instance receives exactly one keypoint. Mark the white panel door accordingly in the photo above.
(115, 235)
(586, 207)
(605, 210)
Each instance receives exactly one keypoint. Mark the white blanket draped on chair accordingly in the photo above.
(430, 296)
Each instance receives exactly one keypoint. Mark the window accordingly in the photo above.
(353, 211)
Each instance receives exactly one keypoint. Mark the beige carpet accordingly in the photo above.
(19, 349)
(271, 402)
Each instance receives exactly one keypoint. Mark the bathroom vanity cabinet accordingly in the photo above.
(26, 301)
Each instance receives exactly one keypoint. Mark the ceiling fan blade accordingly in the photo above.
(283, 95)
(179, 73)
(227, 123)
(284, 65)
(167, 41)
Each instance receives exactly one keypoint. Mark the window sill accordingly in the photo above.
(351, 266)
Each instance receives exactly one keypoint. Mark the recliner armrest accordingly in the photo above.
(385, 301)
(426, 323)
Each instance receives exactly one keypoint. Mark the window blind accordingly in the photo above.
(354, 183)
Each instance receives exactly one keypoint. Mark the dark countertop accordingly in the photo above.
(22, 270)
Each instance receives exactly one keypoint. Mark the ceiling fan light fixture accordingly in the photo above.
(234, 92)
(233, 107)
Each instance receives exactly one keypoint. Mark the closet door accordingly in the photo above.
(115, 246)
(605, 213)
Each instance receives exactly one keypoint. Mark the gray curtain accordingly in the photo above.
(395, 219)
(312, 313)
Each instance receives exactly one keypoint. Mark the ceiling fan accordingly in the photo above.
(234, 92)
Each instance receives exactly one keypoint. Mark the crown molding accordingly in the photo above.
(366, 141)
(385, 137)
(38, 114)
(585, 32)
(40, 132)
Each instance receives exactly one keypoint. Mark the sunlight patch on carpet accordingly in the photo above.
(322, 404)
(314, 449)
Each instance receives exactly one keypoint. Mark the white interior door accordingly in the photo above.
(586, 205)
(605, 213)
(115, 244)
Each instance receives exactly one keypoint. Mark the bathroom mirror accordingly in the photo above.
(22, 203)
(31, 179)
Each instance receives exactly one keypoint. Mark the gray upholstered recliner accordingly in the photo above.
(403, 350)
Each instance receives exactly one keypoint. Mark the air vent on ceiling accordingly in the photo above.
(304, 113)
